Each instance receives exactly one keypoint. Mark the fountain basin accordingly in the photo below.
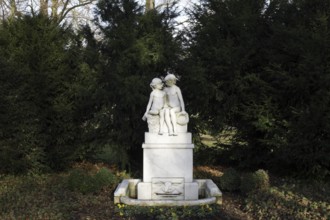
(208, 193)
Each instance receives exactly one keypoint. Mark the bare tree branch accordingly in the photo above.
(65, 5)
(64, 14)
(31, 9)
(56, 9)
(3, 10)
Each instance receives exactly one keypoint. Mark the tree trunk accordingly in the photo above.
(44, 7)
(55, 5)
(150, 4)
(13, 8)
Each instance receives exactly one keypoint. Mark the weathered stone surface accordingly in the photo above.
(167, 162)
(144, 191)
(124, 190)
(191, 191)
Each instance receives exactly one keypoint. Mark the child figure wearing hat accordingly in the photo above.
(174, 102)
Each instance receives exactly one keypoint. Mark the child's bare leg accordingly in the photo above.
(168, 122)
(173, 119)
(161, 121)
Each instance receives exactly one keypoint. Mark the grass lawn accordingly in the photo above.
(50, 196)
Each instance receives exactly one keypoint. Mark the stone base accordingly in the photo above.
(199, 192)
(128, 187)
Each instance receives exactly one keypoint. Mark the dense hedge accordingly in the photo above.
(259, 68)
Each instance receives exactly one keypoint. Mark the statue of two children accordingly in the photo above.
(165, 103)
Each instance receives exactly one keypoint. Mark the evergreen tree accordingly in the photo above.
(135, 48)
(262, 69)
(38, 125)
(224, 65)
(301, 33)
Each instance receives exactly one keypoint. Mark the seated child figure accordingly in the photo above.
(156, 103)
(174, 102)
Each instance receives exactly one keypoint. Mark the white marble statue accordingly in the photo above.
(166, 105)
(174, 103)
(156, 105)
(168, 158)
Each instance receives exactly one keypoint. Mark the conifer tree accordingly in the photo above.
(39, 129)
(261, 68)
(135, 48)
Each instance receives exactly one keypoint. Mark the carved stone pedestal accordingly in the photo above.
(168, 168)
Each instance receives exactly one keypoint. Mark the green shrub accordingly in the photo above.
(230, 180)
(257, 181)
(113, 154)
(105, 178)
(81, 181)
